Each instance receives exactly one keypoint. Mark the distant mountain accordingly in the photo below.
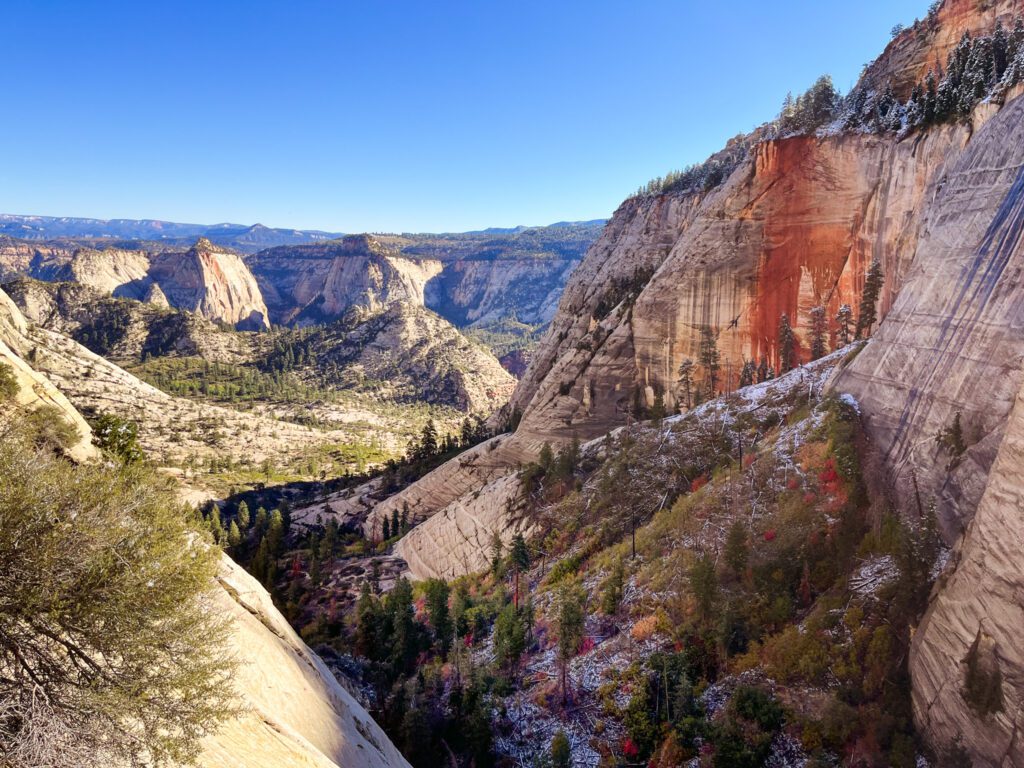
(245, 238)
(241, 237)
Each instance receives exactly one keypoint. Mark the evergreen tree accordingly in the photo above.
(819, 331)
(704, 584)
(385, 528)
(709, 359)
(395, 530)
(869, 299)
(611, 595)
(243, 515)
(367, 640)
(561, 751)
(399, 613)
(437, 591)
(787, 345)
(509, 639)
(844, 320)
(570, 617)
(234, 535)
(737, 550)
(404, 521)
(747, 373)
(686, 382)
(496, 553)
(762, 371)
(519, 559)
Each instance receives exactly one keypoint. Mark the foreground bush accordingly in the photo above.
(109, 652)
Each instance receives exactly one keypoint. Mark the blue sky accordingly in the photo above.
(395, 116)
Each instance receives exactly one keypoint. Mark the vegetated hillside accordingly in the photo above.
(136, 599)
(723, 585)
(891, 213)
(405, 353)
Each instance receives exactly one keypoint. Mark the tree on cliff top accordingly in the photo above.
(110, 649)
(869, 299)
(844, 319)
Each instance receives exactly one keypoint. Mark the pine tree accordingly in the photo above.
(571, 614)
(686, 382)
(509, 639)
(385, 528)
(819, 330)
(844, 319)
(787, 345)
(243, 515)
(709, 359)
(737, 550)
(404, 522)
(519, 559)
(561, 751)
(869, 299)
(704, 584)
(747, 373)
(395, 530)
(437, 592)
(762, 371)
(234, 535)
(611, 595)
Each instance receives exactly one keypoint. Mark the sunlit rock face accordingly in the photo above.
(212, 282)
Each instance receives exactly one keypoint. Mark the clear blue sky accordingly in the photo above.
(395, 116)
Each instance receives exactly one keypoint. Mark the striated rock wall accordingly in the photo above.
(952, 341)
(975, 621)
(212, 282)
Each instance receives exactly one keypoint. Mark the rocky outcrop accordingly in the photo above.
(459, 539)
(410, 354)
(212, 282)
(208, 280)
(469, 279)
(323, 282)
(297, 714)
(35, 390)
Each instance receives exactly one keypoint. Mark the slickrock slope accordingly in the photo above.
(213, 282)
(298, 714)
(974, 625)
(34, 389)
(458, 539)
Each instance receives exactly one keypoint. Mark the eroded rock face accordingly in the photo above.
(967, 657)
(212, 282)
(319, 283)
(952, 341)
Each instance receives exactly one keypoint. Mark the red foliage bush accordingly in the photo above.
(698, 482)
(629, 749)
(769, 535)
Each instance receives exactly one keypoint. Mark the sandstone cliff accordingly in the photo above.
(323, 282)
(208, 280)
(213, 282)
